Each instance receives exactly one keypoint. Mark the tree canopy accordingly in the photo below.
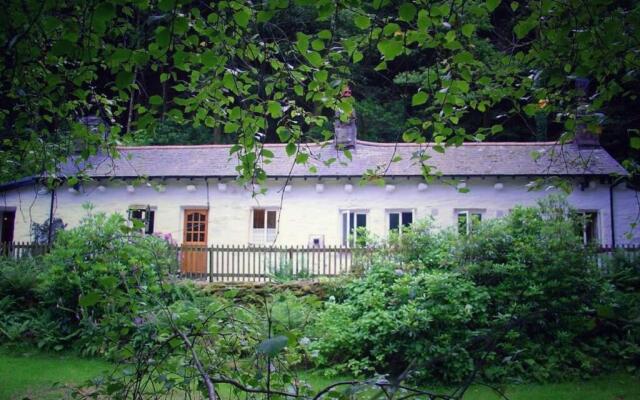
(80, 77)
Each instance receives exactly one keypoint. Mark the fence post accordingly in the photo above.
(210, 264)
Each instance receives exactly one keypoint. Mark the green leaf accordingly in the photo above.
(302, 158)
(108, 282)
(283, 134)
(496, 129)
(523, 27)
(390, 48)
(291, 149)
(155, 100)
(273, 346)
(124, 79)
(231, 127)
(317, 45)
(362, 21)
(242, 18)
(419, 98)
(229, 82)
(274, 108)
(302, 42)
(635, 143)
(209, 59)
(407, 12)
(424, 20)
(89, 299)
(314, 58)
(464, 57)
(468, 29)
(492, 4)
(324, 34)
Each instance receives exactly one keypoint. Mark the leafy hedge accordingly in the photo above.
(521, 297)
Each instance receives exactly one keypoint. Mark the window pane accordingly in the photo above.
(258, 218)
(407, 218)
(190, 217)
(271, 235)
(271, 220)
(188, 237)
(462, 223)
(590, 228)
(189, 226)
(361, 220)
(351, 224)
(394, 221)
(475, 221)
(202, 237)
(151, 221)
(345, 228)
(136, 214)
(201, 227)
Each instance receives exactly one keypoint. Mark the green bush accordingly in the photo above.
(102, 276)
(393, 319)
(91, 290)
(521, 296)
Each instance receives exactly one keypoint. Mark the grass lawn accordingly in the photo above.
(31, 374)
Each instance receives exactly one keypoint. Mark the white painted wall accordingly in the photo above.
(305, 212)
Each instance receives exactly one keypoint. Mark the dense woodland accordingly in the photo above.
(77, 77)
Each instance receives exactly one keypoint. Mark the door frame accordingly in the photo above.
(194, 261)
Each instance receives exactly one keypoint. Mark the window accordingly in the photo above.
(468, 221)
(145, 218)
(351, 221)
(400, 219)
(264, 225)
(589, 226)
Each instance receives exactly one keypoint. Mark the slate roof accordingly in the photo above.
(469, 159)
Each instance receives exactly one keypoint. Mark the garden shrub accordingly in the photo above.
(540, 309)
(102, 276)
(92, 288)
(392, 319)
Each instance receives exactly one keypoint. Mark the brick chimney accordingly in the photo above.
(345, 133)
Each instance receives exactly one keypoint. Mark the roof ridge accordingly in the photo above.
(361, 142)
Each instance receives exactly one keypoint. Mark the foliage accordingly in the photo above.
(453, 70)
(284, 272)
(521, 297)
(393, 319)
(171, 133)
(100, 277)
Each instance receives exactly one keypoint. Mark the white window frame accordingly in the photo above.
(143, 208)
(351, 239)
(264, 235)
(469, 212)
(596, 230)
(399, 211)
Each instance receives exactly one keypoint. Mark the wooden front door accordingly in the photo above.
(194, 242)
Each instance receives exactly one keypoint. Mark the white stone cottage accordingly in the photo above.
(191, 192)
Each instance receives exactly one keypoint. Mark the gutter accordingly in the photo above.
(18, 183)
